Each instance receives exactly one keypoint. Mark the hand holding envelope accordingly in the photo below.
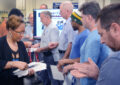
(36, 66)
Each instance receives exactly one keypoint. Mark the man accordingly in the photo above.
(67, 35)
(29, 27)
(28, 35)
(50, 53)
(108, 23)
(80, 37)
(3, 30)
(92, 47)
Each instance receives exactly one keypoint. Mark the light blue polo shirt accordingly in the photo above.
(96, 51)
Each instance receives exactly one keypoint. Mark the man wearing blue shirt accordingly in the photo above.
(81, 36)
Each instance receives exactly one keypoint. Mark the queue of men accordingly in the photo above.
(82, 48)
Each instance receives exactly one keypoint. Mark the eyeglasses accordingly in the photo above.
(21, 33)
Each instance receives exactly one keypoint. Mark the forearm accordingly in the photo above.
(76, 60)
(9, 65)
(47, 48)
(44, 49)
(67, 53)
(72, 61)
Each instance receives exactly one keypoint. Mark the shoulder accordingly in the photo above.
(94, 37)
(84, 34)
(68, 24)
(115, 56)
(54, 27)
(110, 71)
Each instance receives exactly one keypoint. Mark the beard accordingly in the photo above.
(113, 49)
(75, 28)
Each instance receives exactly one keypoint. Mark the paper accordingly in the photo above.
(56, 74)
(36, 66)
(33, 49)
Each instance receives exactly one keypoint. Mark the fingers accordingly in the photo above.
(67, 68)
(23, 66)
(78, 74)
(90, 61)
(30, 72)
(59, 68)
(79, 65)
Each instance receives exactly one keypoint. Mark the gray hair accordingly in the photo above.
(47, 13)
(67, 5)
(90, 8)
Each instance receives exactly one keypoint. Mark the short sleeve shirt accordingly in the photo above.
(96, 51)
(50, 34)
(67, 35)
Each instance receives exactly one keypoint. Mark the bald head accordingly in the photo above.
(31, 18)
(67, 5)
(66, 9)
(43, 6)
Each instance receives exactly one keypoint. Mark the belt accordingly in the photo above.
(48, 53)
(61, 51)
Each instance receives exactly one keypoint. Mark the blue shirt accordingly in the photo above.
(77, 43)
(96, 51)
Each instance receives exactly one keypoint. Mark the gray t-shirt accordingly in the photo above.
(50, 34)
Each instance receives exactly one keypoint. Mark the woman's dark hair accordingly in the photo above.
(16, 12)
(13, 22)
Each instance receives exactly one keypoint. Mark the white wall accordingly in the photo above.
(27, 6)
(102, 3)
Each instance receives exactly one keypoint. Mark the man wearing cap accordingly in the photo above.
(77, 43)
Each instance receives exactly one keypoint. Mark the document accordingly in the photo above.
(36, 66)
(56, 73)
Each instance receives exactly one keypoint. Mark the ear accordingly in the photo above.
(90, 17)
(115, 28)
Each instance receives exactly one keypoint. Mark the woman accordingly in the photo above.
(13, 53)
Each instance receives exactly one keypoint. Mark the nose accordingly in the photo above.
(102, 41)
(22, 34)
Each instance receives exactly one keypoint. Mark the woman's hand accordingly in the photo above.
(30, 72)
(20, 65)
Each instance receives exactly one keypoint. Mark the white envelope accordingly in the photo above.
(36, 66)
(56, 74)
